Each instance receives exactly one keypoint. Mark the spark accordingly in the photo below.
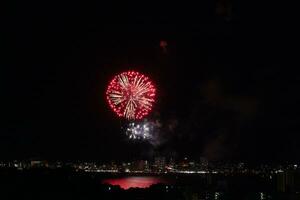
(141, 130)
(131, 95)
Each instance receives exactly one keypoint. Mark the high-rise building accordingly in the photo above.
(146, 166)
(140, 166)
(203, 162)
(286, 181)
(160, 164)
(171, 166)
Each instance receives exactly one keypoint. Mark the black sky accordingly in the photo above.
(227, 84)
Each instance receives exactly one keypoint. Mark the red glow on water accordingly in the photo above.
(134, 182)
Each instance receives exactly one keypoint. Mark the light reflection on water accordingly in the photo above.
(146, 181)
(135, 181)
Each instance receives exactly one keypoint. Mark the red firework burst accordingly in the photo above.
(131, 95)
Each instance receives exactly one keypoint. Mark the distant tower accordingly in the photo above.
(203, 163)
(172, 162)
(139, 165)
(160, 164)
(147, 167)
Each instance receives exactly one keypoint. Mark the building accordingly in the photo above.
(140, 166)
(160, 164)
(203, 163)
(286, 181)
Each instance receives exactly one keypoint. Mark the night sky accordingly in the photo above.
(228, 88)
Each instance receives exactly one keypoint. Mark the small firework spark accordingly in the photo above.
(140, 130)
(131, 95)
(145, 130)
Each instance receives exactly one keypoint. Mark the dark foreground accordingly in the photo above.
(67, 184)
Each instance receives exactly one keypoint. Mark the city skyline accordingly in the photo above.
(224, 91)
(143, 100)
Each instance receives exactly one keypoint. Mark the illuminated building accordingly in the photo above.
(140, 166)
(38, 163)
(160, 164)
(203, 163)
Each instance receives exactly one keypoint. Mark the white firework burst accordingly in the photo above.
(141, 130)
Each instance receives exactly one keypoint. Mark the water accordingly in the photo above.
(136, 181)
(190, 187)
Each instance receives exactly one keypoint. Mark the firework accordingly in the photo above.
(145, 130)
(131, 95)
(138, 130)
